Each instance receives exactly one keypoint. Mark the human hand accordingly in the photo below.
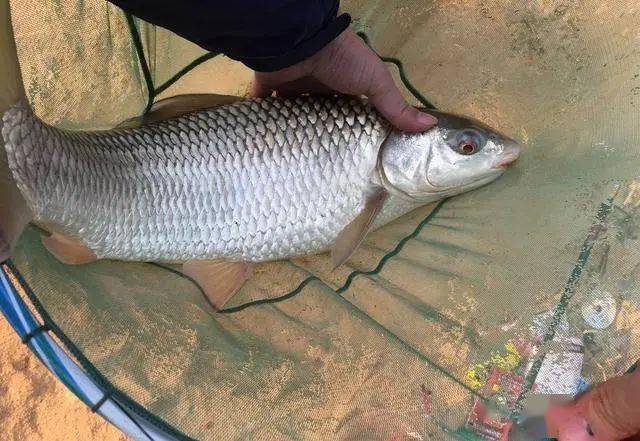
(608, 412)
(346, 65)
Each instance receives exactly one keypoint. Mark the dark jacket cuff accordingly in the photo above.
(302, 51)
(265, 35)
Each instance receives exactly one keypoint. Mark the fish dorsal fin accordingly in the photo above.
(131, 123)
(179, 105)
(68, 250)
(353, 234)
(219, 279)
(182, 104)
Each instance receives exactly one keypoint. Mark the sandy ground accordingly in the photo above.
(35, 406)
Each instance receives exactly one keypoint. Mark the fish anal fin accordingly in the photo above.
(68, 250)
(219, 279)
(354, 233)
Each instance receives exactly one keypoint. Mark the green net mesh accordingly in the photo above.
(444, 311)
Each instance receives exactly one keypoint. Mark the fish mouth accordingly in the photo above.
(509, 156)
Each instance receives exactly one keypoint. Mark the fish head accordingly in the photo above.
(455, 156)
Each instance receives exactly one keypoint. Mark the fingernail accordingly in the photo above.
(426, 119)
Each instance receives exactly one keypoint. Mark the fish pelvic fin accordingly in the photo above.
(68, 250)
(354, 233)
(219, 279)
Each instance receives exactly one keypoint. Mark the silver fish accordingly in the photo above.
(250, 181)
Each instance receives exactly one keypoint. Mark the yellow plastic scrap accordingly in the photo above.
(509, 361)
(474, 380)
(476, 377)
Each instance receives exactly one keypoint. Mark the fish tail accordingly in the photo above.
(14, 212)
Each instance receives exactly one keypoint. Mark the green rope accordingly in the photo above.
(137, 42)
(351, 276)
(279, 299)
(183, 71)
(152, 91)
(395, 251)
(403, 75)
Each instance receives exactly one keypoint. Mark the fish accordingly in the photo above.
(254, 180)
(219, 183)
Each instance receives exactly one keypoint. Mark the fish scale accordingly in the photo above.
(196, 187)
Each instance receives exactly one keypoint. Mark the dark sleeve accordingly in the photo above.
(265, 35)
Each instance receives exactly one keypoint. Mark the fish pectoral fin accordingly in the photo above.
(179, 105)
(68, 250)
(219, 279)
(353, 234)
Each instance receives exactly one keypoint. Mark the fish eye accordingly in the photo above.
(469, 142)
(467, 147)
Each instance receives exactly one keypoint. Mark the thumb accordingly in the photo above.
(612, 408)
(385, 96)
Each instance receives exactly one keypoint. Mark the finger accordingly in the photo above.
(259, 89)
(350, 66)
(565, 423)
(304, 85)
(386, 97)
(612, 408)
(264, 83)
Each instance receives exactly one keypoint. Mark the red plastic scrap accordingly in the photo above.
(426, 400)
(480, 422)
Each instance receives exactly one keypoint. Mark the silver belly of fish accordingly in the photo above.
(255, 180)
